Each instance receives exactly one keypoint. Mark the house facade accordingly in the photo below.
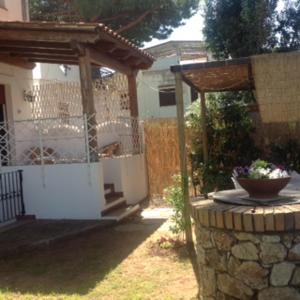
(156, 86)
(78, 142)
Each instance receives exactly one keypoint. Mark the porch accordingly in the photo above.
(81, 144)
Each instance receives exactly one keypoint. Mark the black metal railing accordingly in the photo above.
(11, 196)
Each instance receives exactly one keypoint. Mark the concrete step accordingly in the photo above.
(122, 212)
(109, 188)
(112, 197)
(113, 203)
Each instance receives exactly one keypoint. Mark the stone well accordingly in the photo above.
(247, 252)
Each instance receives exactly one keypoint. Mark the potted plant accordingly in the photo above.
(262, 180)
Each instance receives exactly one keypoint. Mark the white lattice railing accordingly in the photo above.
(67, 140)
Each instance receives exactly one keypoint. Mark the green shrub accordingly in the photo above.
(286, 154)
(230, 139)
(174, 196)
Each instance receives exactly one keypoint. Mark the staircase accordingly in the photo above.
(116, 207)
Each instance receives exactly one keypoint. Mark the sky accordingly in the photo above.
(192, 30)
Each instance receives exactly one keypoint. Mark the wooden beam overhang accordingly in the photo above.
(54, 43)
(45, 42)
(49, 36)
(218, 76)
(101, 59)
(19, 51)
(16, 61)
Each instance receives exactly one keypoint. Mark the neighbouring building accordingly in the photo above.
(156, 86)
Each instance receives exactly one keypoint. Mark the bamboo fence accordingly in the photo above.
(162, 153)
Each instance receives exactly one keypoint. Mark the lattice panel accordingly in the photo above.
(55, 141)
(56, 99)
(63, 99)
(47, 141)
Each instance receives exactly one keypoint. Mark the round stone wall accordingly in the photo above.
(238, 264)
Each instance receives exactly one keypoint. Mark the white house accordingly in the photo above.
(156, 86)
(79, 143)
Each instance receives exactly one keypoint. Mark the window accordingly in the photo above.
(194, 94)
(167, 96)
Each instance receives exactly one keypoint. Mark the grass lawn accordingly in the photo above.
(124, 262)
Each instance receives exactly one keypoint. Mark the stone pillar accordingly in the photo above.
(255, 264)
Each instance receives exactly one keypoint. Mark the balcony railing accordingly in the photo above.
(66, 140)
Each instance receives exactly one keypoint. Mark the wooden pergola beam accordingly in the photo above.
(88, 104)
(46, 56)
(22, 50)
(34, 44)
(16, 61)
(204, 126)
(52, 61)
(183, 158)
(104, 60)
(47, 35)
(133, 99)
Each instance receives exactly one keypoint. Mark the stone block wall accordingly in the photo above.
(239, 265)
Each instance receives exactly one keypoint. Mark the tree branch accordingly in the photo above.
(112, 18)
(137, 20)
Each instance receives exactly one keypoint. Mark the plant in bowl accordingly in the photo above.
(262, 180)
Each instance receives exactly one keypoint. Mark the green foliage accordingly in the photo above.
(174, 196)
(237, 28)
(289, 26)
(137, 20)
(229, 130)
(260, 164)
(286, 154)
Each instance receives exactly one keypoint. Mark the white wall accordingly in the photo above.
(76, 191)
(149, 83)
(16, 80)
(129, 175)
(12, 11)
(134, 178)
(63, 191)
(54, 72)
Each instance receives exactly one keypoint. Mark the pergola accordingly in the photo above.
(215, 76)
(84, 44)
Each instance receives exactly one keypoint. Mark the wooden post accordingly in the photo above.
(204, 126)
(183, 158)
(88, 105)
(134, 111)
(133, 99)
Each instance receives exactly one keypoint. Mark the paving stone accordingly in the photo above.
(296, 277)
(272, 253)
(244, 237)
(233, 287)
(270, 239)
(215, 260)
(252, 274)
(245, 251)
(282, 273)
(208, 281)
(204, 238)
(294, 253)
(273, 293)
(223, 241)
(233, 265)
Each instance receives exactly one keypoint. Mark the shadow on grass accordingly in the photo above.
(74, 266)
